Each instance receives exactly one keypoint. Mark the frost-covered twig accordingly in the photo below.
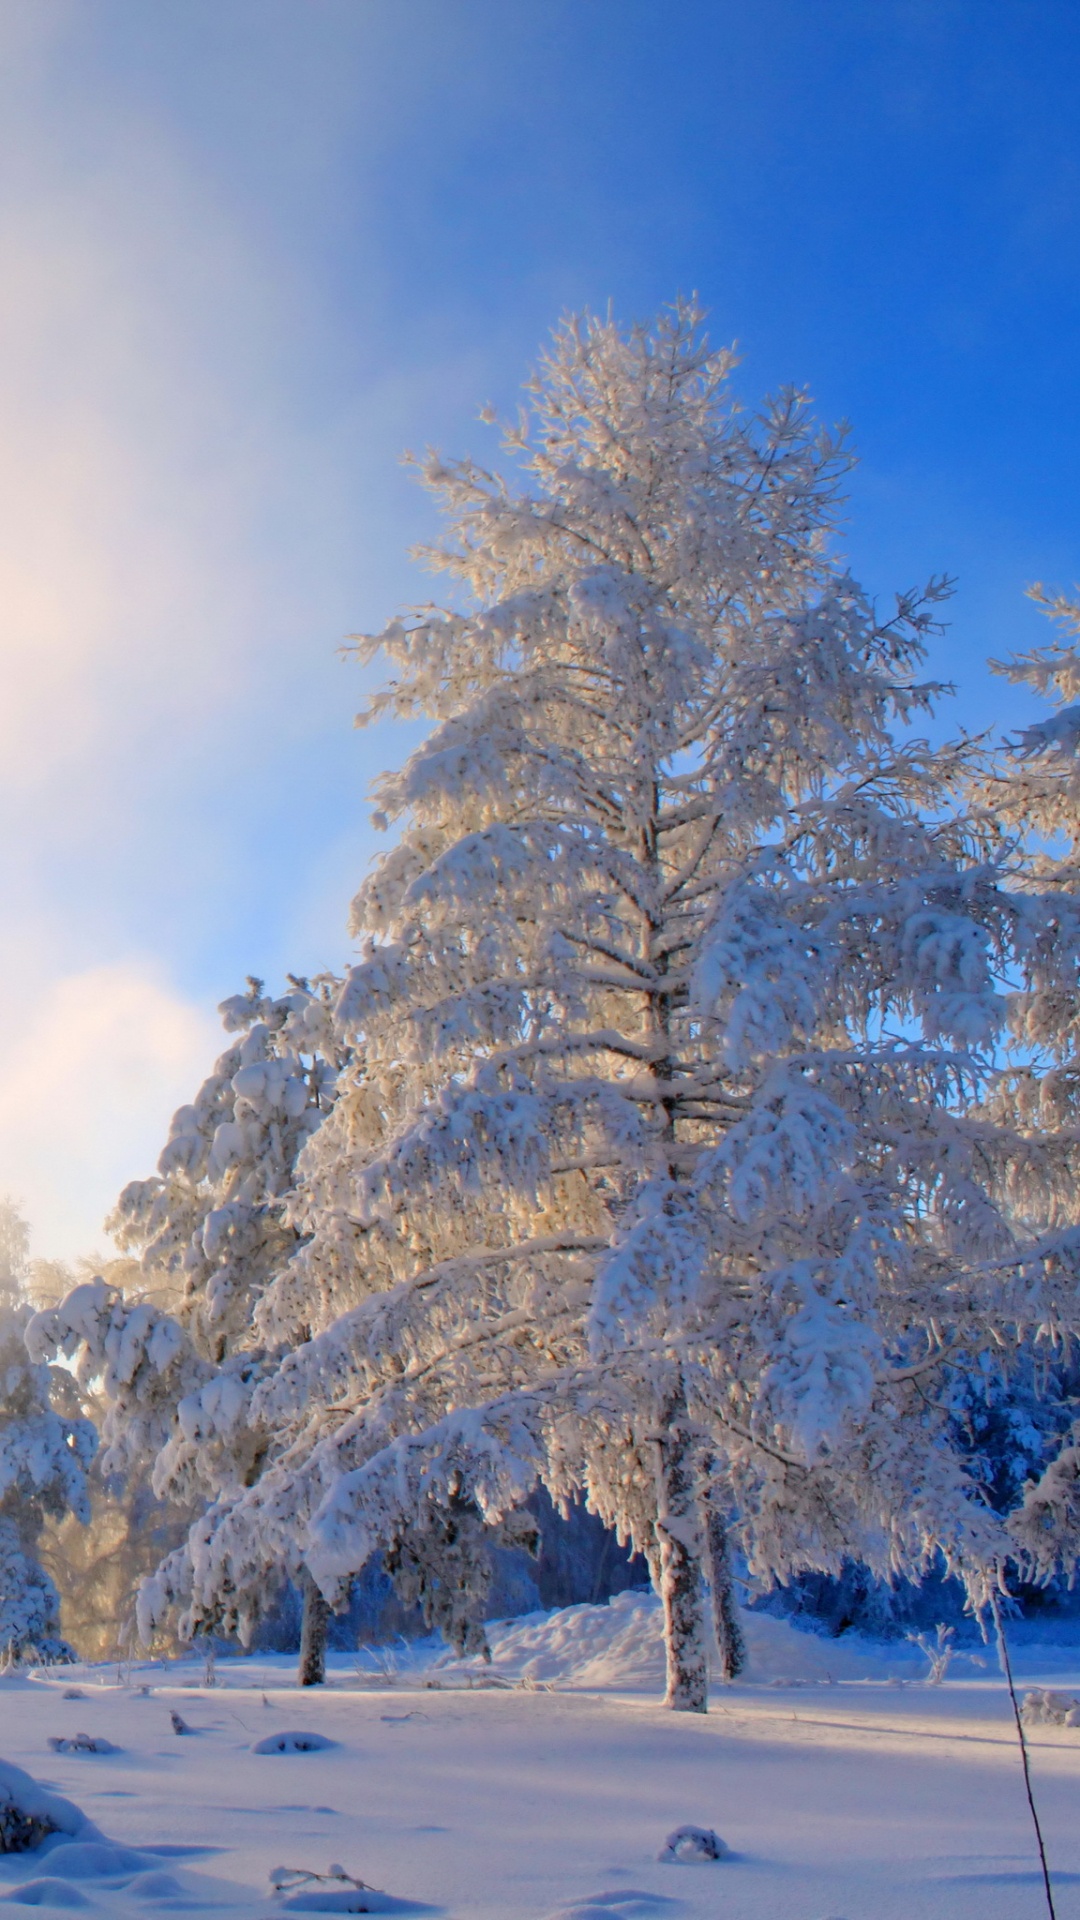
(1006, 1667)
(286, 1879)
(939, 1652)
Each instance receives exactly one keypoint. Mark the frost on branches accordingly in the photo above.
(213, 1222)
(1034, 792)
(667, 1165)
(178, 1362)
(46, 1447)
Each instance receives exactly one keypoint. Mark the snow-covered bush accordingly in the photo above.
(293, 1743)
(690, 1846)
(29, 1815)
(1044, 1707)
(81, 1743)
(667, 1163)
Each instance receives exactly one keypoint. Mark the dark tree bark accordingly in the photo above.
(729, 1637)
(678, 1532)
(313, 1632)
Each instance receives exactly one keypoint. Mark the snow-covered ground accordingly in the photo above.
(547, 1784)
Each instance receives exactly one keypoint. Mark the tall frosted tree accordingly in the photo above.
(665, 1166)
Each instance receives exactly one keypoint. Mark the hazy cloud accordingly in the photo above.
(92, 1073)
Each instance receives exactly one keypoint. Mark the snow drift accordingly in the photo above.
(620, 1646)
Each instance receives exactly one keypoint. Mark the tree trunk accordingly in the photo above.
(313, 1629)
(678, 1531)
(729, 1637)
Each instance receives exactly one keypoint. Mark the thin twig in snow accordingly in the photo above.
(1006, 1667)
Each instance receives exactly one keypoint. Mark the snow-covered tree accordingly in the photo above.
(664, 1167)
(1034, 792)
(14, 1250)
(46, 1446)
(178, 1356)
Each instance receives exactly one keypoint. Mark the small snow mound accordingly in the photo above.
(155, 1886)
(47, 1893)
(293, 1743)
(95, 1860)
(81, 1743)
(688, 1846)
(29, 1815)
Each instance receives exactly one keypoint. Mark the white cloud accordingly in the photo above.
(91, 1079)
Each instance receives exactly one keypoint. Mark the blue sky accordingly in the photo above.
(255, 248)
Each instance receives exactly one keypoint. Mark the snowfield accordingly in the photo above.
(545, 1786)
